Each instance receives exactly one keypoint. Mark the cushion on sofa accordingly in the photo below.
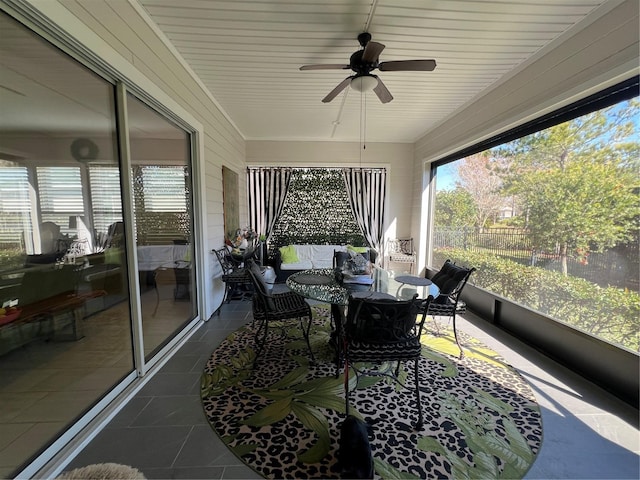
(306, 265)
(311, 256)
(323, 255)
(304, 252)
(301, 258)
(289, 254)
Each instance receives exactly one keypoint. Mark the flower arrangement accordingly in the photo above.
(357, 264)
(242, 238)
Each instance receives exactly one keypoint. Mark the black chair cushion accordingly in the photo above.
(339, 258)
(447, 279)
(381, 321)
(238, 276)
(261, 285)
(408, 349)
(446, 309)
(442, 273)
(259, 279)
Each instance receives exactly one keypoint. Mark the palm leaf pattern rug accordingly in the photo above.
(282, 419)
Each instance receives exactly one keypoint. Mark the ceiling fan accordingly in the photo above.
(363, 62)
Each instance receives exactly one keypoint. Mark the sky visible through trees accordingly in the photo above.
(448, 176)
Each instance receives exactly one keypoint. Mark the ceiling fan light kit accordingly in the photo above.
(363, 83)
(363, 62)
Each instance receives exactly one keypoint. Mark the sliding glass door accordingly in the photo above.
(65, 327)
(67, 331)
(162, 197)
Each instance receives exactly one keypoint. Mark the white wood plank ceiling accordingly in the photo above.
(248, 54)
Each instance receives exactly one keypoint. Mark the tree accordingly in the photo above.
(456, 208)
(578, 181)
(481, 180)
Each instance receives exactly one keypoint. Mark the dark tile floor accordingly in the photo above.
(163, 431)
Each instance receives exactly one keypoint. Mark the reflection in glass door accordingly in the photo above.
(65, 328)
(163, 218)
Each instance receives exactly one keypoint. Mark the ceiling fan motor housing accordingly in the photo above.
(357, 65)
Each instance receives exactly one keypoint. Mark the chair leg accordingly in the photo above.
(260, 342)
(420, 422)
(346, 385)
(455, 334)
(339, 356)
(227, 288)
(305, 333)
(436, 325)
(336, 324)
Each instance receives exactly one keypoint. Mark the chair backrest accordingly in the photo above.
(451, 279)
(400, 245)
(260, 286)
(339, 257)
(225, 262)
(383, 321)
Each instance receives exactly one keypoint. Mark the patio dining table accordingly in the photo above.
(334, 287)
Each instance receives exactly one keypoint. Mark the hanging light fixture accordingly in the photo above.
(364, 83)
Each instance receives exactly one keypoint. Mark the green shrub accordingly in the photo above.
(610, 313)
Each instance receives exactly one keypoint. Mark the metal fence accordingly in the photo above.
(618, 267)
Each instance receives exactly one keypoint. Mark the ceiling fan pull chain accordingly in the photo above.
(364, 132)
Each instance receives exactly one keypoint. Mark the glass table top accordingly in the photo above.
(332, 286)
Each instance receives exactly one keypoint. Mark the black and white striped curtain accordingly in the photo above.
(267, 189)
(366, 188)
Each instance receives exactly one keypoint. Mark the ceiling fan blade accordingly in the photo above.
(334, 93)
(371, 52)
(408, 66)
(332, 66)
(382, 92)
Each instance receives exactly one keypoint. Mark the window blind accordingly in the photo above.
(15, 210)
(164, 189)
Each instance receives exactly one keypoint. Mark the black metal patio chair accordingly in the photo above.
(451, 279)
(269, 308)
(234, 275)
(378, 332)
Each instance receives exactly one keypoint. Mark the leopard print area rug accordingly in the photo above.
(282, 419)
